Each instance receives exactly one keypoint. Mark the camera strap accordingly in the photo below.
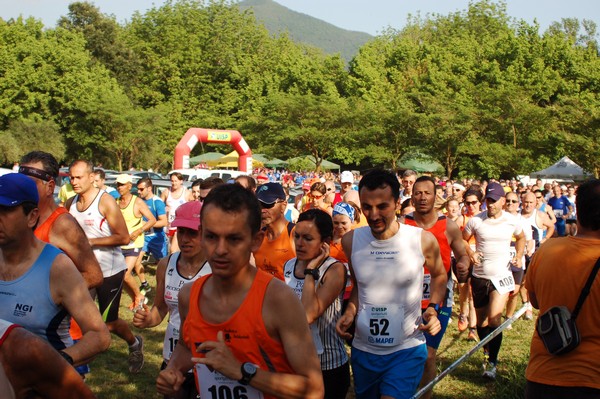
(586, 290)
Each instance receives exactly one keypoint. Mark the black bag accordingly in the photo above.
(557, 328)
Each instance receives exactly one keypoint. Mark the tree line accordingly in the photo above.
(481, 92)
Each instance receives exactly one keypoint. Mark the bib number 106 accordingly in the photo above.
(226, 392)
(379, 326)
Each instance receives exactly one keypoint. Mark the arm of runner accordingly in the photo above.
(463, 262)
(144, 211)
(170, 379)
(439, 279)
(520, 248)
(474, 256)
(110, 210)
(345, 321)
(550, 213)
(38, 367)
(67, 235)
(161, 212)
(146, 317)
(548, 224)
(294, 334)
(68, 289)
(317, 299)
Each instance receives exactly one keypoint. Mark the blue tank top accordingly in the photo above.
(27, 301)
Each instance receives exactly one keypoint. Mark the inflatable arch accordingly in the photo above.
(195, 135)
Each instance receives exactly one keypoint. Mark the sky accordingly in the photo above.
(370, 16)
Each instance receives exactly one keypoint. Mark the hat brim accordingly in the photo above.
(193, 224)
(494, 197)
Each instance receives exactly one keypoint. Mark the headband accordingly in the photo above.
(34, 172)
(342, 208)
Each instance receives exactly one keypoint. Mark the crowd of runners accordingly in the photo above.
(271, 296)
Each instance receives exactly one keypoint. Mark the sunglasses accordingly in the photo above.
(456, 190)
(538, 197)
(512, 201)
(316, 196)
(329, 189)
(263, 205)
(471, 202)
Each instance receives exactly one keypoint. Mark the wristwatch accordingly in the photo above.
(435, 307)
(248, 372)
(312, 272)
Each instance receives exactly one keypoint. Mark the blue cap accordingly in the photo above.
(494, 191)
(16, 188)
(269, 193)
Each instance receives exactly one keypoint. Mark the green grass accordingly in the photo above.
(110, 377)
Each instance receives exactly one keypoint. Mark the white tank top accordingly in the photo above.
(389, 277)
(330, 347)
(532, 220)
(173, 203)
(94, 225)
(173, 283)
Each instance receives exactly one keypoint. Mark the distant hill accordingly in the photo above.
(306, 29)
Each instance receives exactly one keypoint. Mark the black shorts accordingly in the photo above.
(109, 296)
(481, 287)
(518, 274)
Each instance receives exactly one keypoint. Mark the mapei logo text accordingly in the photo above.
(21, 310)
(384, 252)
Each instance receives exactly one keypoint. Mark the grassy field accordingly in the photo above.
(110, 377)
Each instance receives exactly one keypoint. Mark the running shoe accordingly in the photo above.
(137, 304)
(145, 288)
(528, 312)
(472, 335)
(462, 323)
(136, 356)
(490, 371)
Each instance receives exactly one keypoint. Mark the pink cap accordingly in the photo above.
(188, 215)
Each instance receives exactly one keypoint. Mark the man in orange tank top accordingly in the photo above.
(277, 246)
(56, 226)
(243, 331)
(449, 238)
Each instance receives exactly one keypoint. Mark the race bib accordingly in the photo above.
(558, 213)
(512, 252)
(504, 284)
(381, 324)
(426, 286)
(214, 385)
(171, 338)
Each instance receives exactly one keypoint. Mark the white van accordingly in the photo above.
(194, 174)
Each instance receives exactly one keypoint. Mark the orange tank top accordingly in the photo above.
(245, 332)
(272, 255)
(42, 232)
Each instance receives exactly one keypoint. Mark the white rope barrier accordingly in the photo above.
(464, 357)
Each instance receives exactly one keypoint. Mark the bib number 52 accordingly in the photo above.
(379, 326)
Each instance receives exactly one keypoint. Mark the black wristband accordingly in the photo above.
(312, 272)
(67, 357)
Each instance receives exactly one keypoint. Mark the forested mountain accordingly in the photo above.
(480, 92)
(306, 29)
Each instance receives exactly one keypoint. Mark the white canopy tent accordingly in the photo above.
(564, 169)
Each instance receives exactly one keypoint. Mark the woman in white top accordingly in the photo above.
(319, 282)
(172, 273)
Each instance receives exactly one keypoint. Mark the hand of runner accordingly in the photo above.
(476, 258)
(219, 357)
(431, 323)
(141, 316)
(342, 326)
(323, 254)
(169, 382)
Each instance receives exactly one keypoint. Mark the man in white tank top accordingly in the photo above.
(99, 216)
(386, 262)
(492, 279)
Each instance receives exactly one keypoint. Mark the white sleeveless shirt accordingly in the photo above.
(389, 277)
(94, 225)
(173, 283)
